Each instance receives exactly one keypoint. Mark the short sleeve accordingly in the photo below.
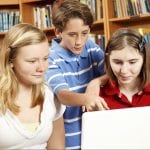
(59, 107)
(52, 107)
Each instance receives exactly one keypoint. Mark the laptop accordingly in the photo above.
(127, 128)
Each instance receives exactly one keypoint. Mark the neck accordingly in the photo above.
(130, 89)
(24, 96)
(134, 86)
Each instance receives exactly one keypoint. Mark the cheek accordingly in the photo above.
(137, 68)
(70, 44)
(21, 68)
(24, 71)
(67, 42)
(114, 67)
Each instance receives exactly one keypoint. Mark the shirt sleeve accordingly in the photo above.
(54, 77)
(53, 108)
(59, 107)
(97, 56)
(100, 60)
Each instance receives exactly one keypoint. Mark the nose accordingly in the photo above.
(78, 40)
(124, 68)
(41, 66)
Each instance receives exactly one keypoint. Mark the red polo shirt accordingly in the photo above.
(115, 99)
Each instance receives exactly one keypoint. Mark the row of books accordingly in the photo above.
(147, 38)
(146, 33)
(96, 7)
(99, 39)
(131, 7)
(8, 18)
(43, 16)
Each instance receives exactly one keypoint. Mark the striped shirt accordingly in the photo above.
(73, 72)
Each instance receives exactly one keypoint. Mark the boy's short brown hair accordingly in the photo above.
(68, 9)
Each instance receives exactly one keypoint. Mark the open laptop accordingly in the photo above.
(127, 128)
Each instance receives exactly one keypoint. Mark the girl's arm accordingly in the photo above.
(57, 139)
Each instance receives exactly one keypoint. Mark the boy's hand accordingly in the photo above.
(94, 103)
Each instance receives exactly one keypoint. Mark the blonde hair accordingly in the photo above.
(18, 36)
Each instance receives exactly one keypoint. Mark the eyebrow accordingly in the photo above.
(128, 60)
(37, 57)
(81, 31)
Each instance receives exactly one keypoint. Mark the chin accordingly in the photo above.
(125, 82)
(77, 52)
(37, 81)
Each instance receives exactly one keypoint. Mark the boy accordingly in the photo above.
(74, 61)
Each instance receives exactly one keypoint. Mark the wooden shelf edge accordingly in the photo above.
(101, 21)
(9, 2)
(30, 1)
(2, 33)
(128, 18)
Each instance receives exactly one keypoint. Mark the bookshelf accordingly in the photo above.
(7, 7)
(139, 19)
(113, 14)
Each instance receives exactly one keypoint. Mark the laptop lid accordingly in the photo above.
(127, 128)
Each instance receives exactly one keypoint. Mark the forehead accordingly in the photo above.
(125, 53)
(35, 50)
(75, 24)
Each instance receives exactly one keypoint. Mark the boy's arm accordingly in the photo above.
(56, 80)
(94, 86)
(91, 102)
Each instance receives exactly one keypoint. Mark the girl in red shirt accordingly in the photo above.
(128, 67)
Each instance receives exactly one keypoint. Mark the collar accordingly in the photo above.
(67, 55)
(113, 89)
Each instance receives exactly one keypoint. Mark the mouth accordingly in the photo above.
(78, 48)
(38, 76)
(124, 77)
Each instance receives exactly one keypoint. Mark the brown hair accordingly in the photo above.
(68, 9)
(129, 37)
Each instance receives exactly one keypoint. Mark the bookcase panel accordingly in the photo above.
(133, 14)
(9, 2)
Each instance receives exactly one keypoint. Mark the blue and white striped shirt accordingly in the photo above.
(73, 72)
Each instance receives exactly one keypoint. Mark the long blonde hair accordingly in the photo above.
(18, 36)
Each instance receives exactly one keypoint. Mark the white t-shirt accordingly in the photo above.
(13, 134)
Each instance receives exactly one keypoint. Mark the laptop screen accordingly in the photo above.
(127, 128)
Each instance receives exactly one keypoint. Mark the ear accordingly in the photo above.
(57, 33)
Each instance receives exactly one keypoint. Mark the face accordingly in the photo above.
(74, 35)
(126, 65)
(31, 63)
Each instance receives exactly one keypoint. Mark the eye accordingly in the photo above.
(72, 34)
(46, 58)
(84, 33)
(132, 62)
(118, 62)
(31, 61)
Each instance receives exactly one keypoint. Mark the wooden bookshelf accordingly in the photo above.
(9, 2)
(139, 20)
(105, 25)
